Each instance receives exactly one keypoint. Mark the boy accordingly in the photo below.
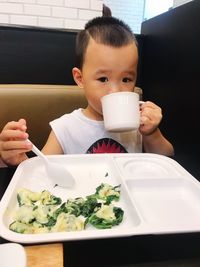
(107, 58)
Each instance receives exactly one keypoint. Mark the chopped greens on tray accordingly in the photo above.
(45, 213)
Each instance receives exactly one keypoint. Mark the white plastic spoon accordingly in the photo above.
(58, 174)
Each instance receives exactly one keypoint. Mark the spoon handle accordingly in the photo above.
(37, 151)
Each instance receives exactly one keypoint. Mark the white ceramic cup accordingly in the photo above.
(121, 111)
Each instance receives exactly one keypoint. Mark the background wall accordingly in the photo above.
(40, 55)
(36, 55)
(170, 77)
(70, 14)
(180, 2)
(132, 12)
(73, 14)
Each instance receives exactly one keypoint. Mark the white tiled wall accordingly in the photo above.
(180, 2)
(131, 11)
(70, 14)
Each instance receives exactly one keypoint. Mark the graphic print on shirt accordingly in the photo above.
(106, 145)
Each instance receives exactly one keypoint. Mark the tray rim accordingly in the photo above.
(82, 235)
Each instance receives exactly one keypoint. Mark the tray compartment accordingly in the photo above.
(167, 202)
(89, 172)
(139, 166)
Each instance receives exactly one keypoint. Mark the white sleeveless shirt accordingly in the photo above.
(78, 134)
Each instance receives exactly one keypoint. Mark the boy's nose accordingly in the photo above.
(114, 89)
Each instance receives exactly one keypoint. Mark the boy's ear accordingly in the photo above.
(77, 74)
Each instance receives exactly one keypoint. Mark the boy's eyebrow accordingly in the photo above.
(100, 71)
(132, 72)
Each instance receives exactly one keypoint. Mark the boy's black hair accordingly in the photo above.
(106, 11)
(105, 30)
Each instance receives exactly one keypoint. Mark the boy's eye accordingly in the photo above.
(126, 80)
(103, 79)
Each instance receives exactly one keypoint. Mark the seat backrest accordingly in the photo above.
(39, 104)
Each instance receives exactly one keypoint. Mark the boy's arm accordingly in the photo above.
(157, 143)
(153, 140)
(52, 146)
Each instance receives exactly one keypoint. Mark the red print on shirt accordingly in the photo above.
(106, 145)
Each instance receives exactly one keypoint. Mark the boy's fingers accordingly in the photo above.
(16, 125)
(12, 146)
(22, 121)
(7, 135)
(14, 157)
(144, 120)
(150, 104)
(152, 116)
(23, 124)
(12, 154)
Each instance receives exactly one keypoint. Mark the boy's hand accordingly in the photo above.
(150, 117)
(13, 142)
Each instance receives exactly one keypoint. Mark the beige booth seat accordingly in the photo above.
(39, 104)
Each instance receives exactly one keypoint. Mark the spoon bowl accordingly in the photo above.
(57, 173)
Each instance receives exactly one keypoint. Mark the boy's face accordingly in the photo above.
(106, 70)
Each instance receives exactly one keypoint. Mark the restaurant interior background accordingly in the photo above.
(40, 34)
(72, 14)
(38, 49)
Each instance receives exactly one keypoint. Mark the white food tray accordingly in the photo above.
(158, 195)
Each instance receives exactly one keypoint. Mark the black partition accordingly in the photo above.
(36, 56)
(32, 55)
(171, 78)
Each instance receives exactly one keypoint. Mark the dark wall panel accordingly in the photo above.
(29, 55)
(40, 56)
(171, 77)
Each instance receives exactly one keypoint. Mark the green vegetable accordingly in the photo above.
(74, 206)
(27, 197)
(42, 212)
(19, 227)
(61, 209)
(25, 214)
(107, 193)
(48, 199)
(51, 222)
(89, 206)
(105, 222)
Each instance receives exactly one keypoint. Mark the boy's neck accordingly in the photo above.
(91, 114)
